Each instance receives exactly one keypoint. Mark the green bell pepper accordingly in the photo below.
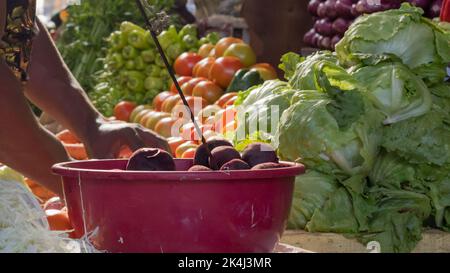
(115, 61)
(148, 55)
(244, 79)
(129, 52)
(153, 83)
(127, 27)
(175, 50)
(135, 81)
(213, 37)
(118, 40)
(202, 41)
(138, 39)
(188, 30)
(190, 41)
(130, 65)
(168, 37)
(139, 63)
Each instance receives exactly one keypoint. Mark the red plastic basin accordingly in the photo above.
(192, 212)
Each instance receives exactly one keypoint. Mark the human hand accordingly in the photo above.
(109, 137)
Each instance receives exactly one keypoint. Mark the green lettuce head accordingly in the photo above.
(334, 130)
(420, 140)
(394, 90)
(303, 76)
(420, 43)
(259, 109)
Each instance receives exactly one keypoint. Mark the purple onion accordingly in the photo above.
(354, 11)
(324, 26)
(340, 25)
(344, 8)
(435, 9)
(325, 42)
(322, 10)
(391, 4)
(331, 9)
(336, 38)
(367, 6)
(316, 40)
(309, 37)
(313, 5)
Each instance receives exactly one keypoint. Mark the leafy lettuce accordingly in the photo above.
(334, 131)
(420, 43)
(394, 90)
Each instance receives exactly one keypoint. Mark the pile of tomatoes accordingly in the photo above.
(204, 78)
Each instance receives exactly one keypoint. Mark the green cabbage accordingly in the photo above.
(303, 78)
(334, 131)
(419, 42)
(420, 140)
(395, 91)
(311, 191)
(260, 110)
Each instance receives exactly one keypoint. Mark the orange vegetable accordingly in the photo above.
(39, 191)
(76, 150)
(67, 137)
(58, 220)
(189, 153)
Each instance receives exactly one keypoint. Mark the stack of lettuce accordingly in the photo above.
(371, 123)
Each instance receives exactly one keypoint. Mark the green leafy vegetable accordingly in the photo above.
(395, 91)
(419, 42)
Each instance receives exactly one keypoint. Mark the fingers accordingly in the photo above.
(151, 139)
(133, 138)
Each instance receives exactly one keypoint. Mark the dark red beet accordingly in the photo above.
(221, 155)
(235, 164)
(199, 168)
(257, 153)
(270, 165)
(149, 159)
(201, 155)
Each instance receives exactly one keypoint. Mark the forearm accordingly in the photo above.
(53, 88)
(24, 145)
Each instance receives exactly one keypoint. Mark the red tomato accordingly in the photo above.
(181, 80)
(203, 128)
(242, 51)
(159, 99)
(184, 147)
(169, 103)
(223, 118)
(185, 63)
(164, 126)
(221, 102)
(174, 143)
(223, 70)
(123, 110)
(223, 44)
(205, 50)
(267, 66)
(189, 153)
(208, 90)
(265, 73)
(196, 104)
(188, 86)
(201, 69)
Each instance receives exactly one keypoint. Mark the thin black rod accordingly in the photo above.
(169, 68)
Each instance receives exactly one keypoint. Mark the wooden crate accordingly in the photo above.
(433, 241)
